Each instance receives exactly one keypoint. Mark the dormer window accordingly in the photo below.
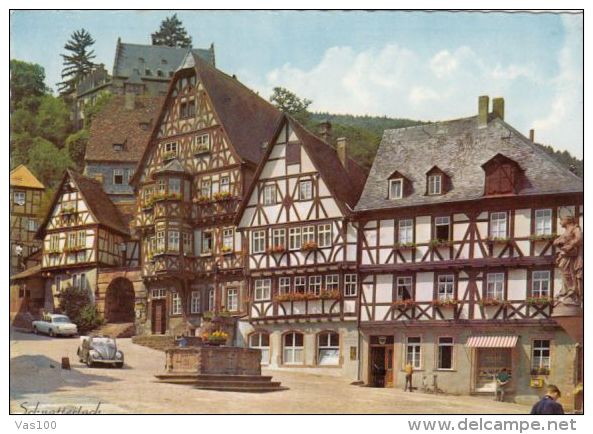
(503, 176)
(169, 150)
(435, 184)
(396, 188)
(118, 147)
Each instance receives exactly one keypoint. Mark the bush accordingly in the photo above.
(77, 304)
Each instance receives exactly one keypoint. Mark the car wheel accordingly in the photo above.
(35, 331)
(89, 362)
(119, 365)
(51, 333)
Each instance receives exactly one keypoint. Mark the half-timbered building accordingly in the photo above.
(25, 201)
(297, 230)
(83, 234)
(203, 152)
(456, 223)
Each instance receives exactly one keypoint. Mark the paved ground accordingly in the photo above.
(36, 377)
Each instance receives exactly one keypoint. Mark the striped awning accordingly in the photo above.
(492, 341)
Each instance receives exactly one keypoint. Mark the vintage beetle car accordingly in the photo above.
(55, 325)
(95, 350)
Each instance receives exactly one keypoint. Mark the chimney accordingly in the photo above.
(483, 103)
(341, 150)
(498, 108)
(532, 135)
(325, 130)
(130, 101)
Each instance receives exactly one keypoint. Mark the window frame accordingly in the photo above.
(284, 285)
(19, 193)
(302, 183)
(400, 283)
(544, 230)
(294, 234)
(350, 282)
(278, 237)
(229, 306)
(328, 346)
(195, 302)
(325, 234)
(405, 229)
(494, 278)
(434, 181)
(118, 173)
(444, 284)
(417, 356)
(264, 286)
(441, 345)
(534, 280)
(437, 224)
(265, 349)
(176, 304)
(293, 349)
(315, 284)
(544, 362)
(269, 194)
(392, 183)
(258, 241)
(300, 282)
(494, 229)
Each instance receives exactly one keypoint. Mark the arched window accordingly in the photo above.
(328, 348)
(261, 341)
(293, 349)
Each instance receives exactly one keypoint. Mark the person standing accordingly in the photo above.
(502, 379)
(409, 370)
(548, 404)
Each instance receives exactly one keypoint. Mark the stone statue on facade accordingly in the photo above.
(569, 261)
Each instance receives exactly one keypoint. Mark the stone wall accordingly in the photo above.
(214, 360)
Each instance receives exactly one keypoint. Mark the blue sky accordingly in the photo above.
(419, 65)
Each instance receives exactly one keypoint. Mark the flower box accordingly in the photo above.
(208, 315)
(202, 149)
(276, 249)
(490, 302)
(221, 195)
(540, 371)
(440, 243)
(202, 199)
(328, 294)
(404, 304)
(405, 246)
(542, 237)
(225, 250)
(449, 302)
(539, 301)
(169, 155)
(218, 337)
(296, 296)
(74, 249)
(54, 251)
(309, 246)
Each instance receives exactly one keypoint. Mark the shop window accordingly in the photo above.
(293, 349)
(328, 348)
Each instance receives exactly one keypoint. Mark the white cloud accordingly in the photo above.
(444, 84)
(564, 122)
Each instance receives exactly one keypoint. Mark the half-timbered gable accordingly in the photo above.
(204, 148)
(301, 244)
(469, 245)
(25, 201)
(82, 232)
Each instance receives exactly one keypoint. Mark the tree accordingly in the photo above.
(47, 161)
(290, 103)
(76, 146)
(78, 61)
(172, 34)
(53, 120)
(26, 81)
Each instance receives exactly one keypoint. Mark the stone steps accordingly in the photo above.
(228, 383)
(116, 330)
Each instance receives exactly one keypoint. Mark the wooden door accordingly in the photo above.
(389, 367)
(159, 319)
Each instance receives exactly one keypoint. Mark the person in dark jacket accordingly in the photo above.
(548, 404)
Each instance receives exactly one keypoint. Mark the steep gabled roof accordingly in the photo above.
(116, 124)
(248, 119)
(99, 204)
(345, 184)
(459, 148)
(21, 176)
(141, 57)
